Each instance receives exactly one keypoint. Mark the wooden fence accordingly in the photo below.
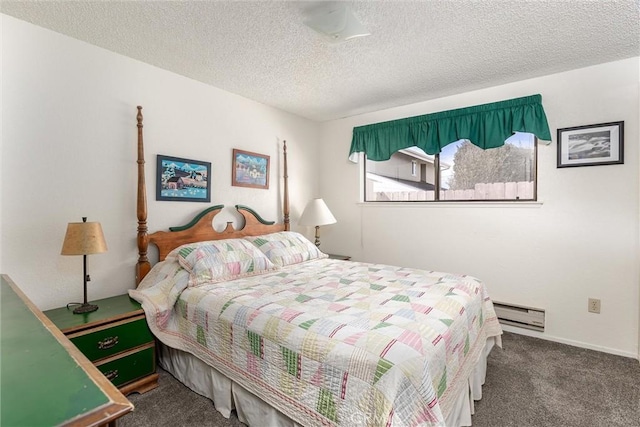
(494, 191)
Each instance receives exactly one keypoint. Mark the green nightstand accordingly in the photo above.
(342, 257)
(116, 339)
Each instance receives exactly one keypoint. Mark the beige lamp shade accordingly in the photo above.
(83, 238)
(317, 213)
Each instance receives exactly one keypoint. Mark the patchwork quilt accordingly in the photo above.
(330, 342)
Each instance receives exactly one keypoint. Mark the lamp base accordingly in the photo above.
(317, 242)
(85, 308)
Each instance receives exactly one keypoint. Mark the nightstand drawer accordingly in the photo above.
(130, 367)
(113, 339)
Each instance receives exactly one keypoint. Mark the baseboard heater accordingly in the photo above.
(518, 315)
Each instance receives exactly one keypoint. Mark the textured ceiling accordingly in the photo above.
(417, 50)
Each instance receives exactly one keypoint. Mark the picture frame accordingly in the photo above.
(182, 180)
(250, 169)
(591, 145)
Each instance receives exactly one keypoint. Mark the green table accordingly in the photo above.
(44, 379)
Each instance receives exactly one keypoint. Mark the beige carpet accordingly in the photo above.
(530, 383)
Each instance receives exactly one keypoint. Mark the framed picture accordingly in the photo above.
(591, 145)
(183, 180)
(250, 169)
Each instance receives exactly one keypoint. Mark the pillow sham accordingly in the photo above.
(221, 260)
(286, 248)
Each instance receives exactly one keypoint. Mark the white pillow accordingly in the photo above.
(286, 248)
(222, 260)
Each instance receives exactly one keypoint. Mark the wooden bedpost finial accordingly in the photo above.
(143, 266)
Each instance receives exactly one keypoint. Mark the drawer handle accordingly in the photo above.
(107, 343)
(111, 375)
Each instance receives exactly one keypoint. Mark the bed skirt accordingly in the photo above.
(251, 410)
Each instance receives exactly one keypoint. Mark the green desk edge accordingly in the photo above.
(40, 383)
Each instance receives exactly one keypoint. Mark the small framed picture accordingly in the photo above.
(250, 169)
(183, 180)
(591, 145)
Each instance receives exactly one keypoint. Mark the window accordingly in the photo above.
(464, 173)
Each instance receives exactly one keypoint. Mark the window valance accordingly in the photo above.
(486, 126)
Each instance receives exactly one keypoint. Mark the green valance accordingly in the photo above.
(486, 126)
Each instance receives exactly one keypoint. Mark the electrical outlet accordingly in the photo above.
(594, 305)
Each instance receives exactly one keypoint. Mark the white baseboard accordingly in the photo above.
(573, 343)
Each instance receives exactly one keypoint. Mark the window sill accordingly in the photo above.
(461, 204)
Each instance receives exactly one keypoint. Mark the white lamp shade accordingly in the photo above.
(317, 213)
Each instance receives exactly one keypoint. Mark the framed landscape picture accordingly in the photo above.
(601, 144)
(250, 169)
(183, 180)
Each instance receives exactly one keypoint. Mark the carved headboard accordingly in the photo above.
(201, 227)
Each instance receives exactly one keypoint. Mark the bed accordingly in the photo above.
(261, 321)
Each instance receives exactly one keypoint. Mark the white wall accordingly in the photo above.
(581, 242)
(69, 150)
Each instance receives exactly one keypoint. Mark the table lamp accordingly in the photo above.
(316, 213)
(84, 238)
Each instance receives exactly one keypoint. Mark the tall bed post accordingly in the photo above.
(143, 266)
(285, 209)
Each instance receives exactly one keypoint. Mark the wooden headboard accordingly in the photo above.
(199, 228)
